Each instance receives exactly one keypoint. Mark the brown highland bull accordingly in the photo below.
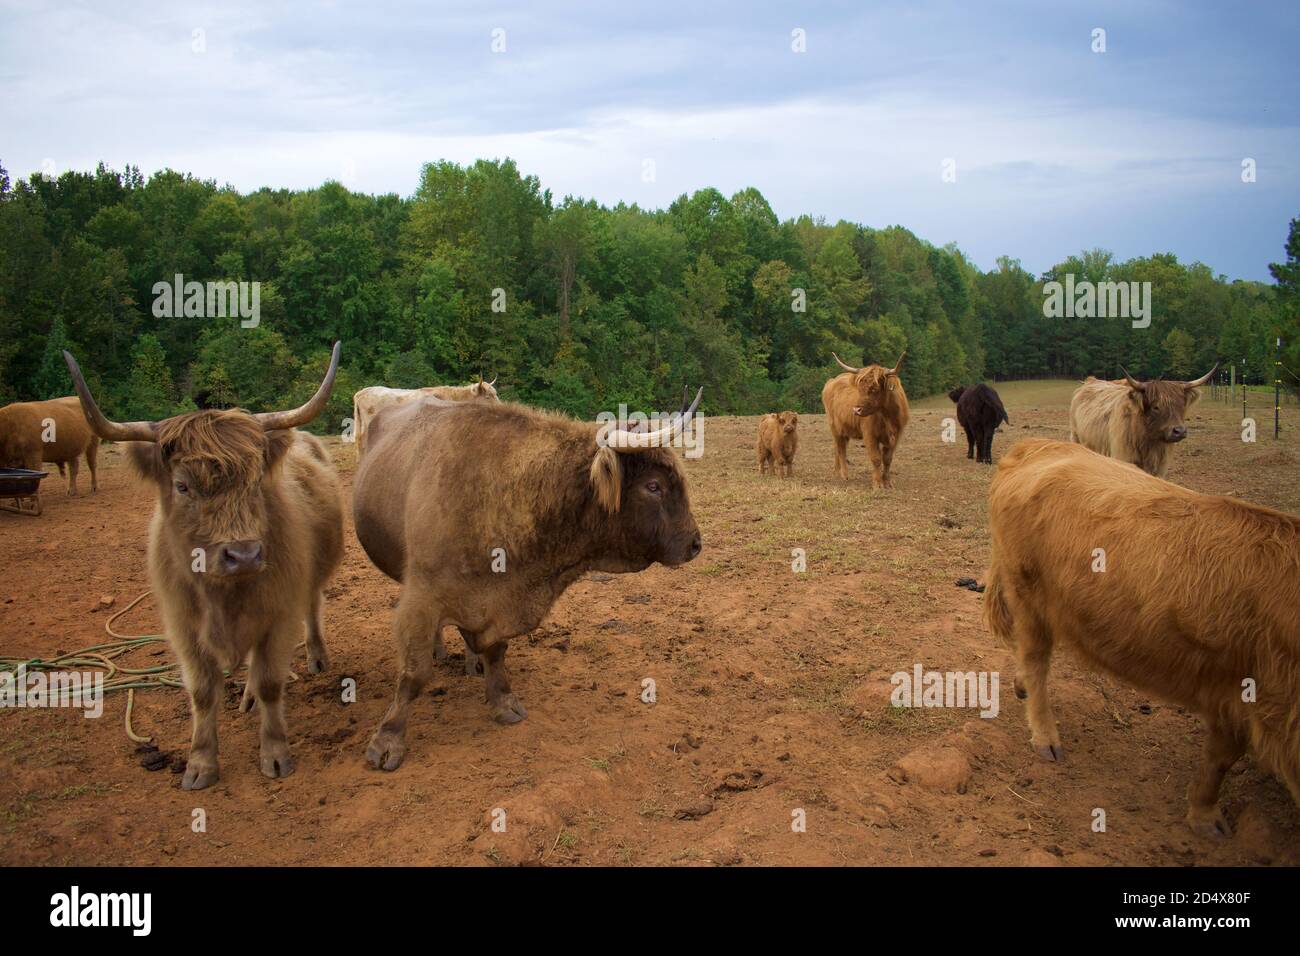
(487, 512)
(1196, 602)
(23, 433)
(867, 403)
(248, 529)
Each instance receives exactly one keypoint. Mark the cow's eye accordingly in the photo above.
(182, 488)
(654, 488)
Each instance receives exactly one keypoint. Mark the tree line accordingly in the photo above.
(571, 304)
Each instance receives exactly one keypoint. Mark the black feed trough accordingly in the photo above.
(19, 490)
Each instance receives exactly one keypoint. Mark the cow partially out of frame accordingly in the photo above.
(247, 530)
(53, 431)
(1136, 422)
(1187, 596)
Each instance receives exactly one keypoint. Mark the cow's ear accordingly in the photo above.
(607, 479)
(147, 460)
(278, 442)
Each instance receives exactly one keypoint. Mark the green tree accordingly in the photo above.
(148, 392)
(52, 378)
(1180, 351)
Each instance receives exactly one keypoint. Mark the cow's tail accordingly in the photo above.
(1001, 409)
(997, 613)
(356, 424)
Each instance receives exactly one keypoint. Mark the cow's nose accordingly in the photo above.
(241, 556)
(697, 545)
(1177, 434)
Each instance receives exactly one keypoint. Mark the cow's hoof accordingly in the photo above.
(248, 700)
(508, 710)
(1208, 822)
(1052, 752)
(386, 750)
(1021, 693)
(199, 775)
(276, 762)
(473, 664)
(318, 663)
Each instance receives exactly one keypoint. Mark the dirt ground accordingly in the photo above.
(772, 694)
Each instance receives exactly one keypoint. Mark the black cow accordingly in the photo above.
(979, 412)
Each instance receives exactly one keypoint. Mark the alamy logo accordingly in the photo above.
(1101, 300)
(103, 909)
(923, 688)
(18, 688)
(208, 300)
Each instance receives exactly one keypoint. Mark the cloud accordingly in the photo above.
(1056, 148)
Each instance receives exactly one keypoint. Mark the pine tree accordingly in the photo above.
(149, 392)
(52, 378)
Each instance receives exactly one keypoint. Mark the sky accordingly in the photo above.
(1050, 146)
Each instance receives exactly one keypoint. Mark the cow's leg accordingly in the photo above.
(72, 476)
(841, 457)
(473, 662)
(416, 622)
(970, 441)
(203, 683)
(1034, 657)
(878, 473)
(887, 459)
(988, 446)
(92, 462)
(1223, 748)
(268, 672)
(505, 706)
(318, 658)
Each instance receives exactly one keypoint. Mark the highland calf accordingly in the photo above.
(778, 440)
(979, 412)
(867, 403)
(247, 530)
(1194, 601)
(1136, 422)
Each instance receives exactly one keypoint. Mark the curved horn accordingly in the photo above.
(315, 405)
(494, 380)
(100, 424)
(686, 399)
(898, 364)
(1132, 382)
(626, 442)
(1203, 379)
(844, 365)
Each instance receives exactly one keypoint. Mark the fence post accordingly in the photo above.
(1277, 390)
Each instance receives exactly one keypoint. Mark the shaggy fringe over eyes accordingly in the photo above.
(607, 479)
(873, 376)
(221, 448)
